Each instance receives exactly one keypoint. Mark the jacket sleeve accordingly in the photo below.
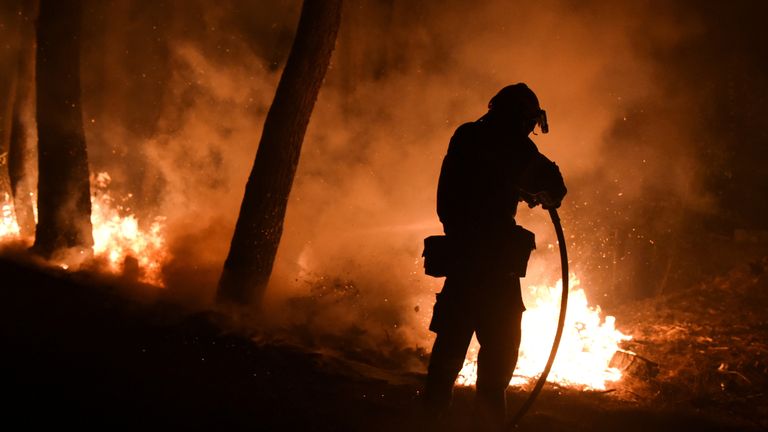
(542, 180)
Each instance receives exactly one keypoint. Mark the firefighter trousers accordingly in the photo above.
(497, 324)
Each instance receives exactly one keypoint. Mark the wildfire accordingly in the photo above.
(118, 238)
(586, 348)
(8, 226)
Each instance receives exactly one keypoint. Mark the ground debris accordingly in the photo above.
(91, 355)
(630, 363)
(709, 343)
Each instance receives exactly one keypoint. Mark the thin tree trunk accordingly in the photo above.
(260, 223)
(8, 56)
(7, 95)
(64, 202)
(20, 152)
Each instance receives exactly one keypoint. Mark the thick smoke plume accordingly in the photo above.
(175, 95)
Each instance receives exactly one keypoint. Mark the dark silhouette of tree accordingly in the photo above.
(8, 56)
(260, 223)
(20, 150)
(64, 202)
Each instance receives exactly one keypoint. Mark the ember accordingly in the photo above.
(588, 344)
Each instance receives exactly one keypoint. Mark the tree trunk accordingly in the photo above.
(260, 223)
(20, 153)
(8, 56)
(64, 202)
(6, 195)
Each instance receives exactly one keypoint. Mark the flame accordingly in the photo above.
(586, 348)
(9, 228)
(117, 235)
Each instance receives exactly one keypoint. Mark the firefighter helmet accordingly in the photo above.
(519, 101)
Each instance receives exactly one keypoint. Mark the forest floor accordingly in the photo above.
(80, 351)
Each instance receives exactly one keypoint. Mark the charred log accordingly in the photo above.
(635, 365)
(260, 222)
(64, 203)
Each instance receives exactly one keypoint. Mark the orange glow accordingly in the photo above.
(8, 227)
(586, 348)
(118, 235)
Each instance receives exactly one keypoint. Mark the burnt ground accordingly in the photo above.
(79, 352)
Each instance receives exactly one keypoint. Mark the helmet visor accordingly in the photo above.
(541, 121)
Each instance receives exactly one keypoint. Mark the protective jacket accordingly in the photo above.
(484, 175)
(477, 193)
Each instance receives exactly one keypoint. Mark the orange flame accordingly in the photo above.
(586, 348)
(117, 235)
(8, 227)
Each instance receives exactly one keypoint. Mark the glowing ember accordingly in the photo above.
(587, 346)
(8, 226)
(118, 236)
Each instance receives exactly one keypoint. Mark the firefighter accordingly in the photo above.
(491, 165)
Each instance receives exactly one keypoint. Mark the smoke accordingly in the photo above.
(175, 95)
(364, 197)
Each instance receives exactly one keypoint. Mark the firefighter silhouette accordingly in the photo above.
(491, 165)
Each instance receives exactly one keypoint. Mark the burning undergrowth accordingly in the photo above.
(9, 228)
(341, 315)
(710, 343)
(127, 247)
(123, 244)
(589, 342)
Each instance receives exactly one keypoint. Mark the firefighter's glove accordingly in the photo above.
(542, 183)
(548, 201)
(544, 198)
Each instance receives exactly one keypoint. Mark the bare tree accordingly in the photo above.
(260, 224)
(8, 56)
(64, 202)
(20, 150)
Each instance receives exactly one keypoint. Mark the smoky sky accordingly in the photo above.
(656, 110)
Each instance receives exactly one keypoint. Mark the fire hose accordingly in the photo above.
(560, 323)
